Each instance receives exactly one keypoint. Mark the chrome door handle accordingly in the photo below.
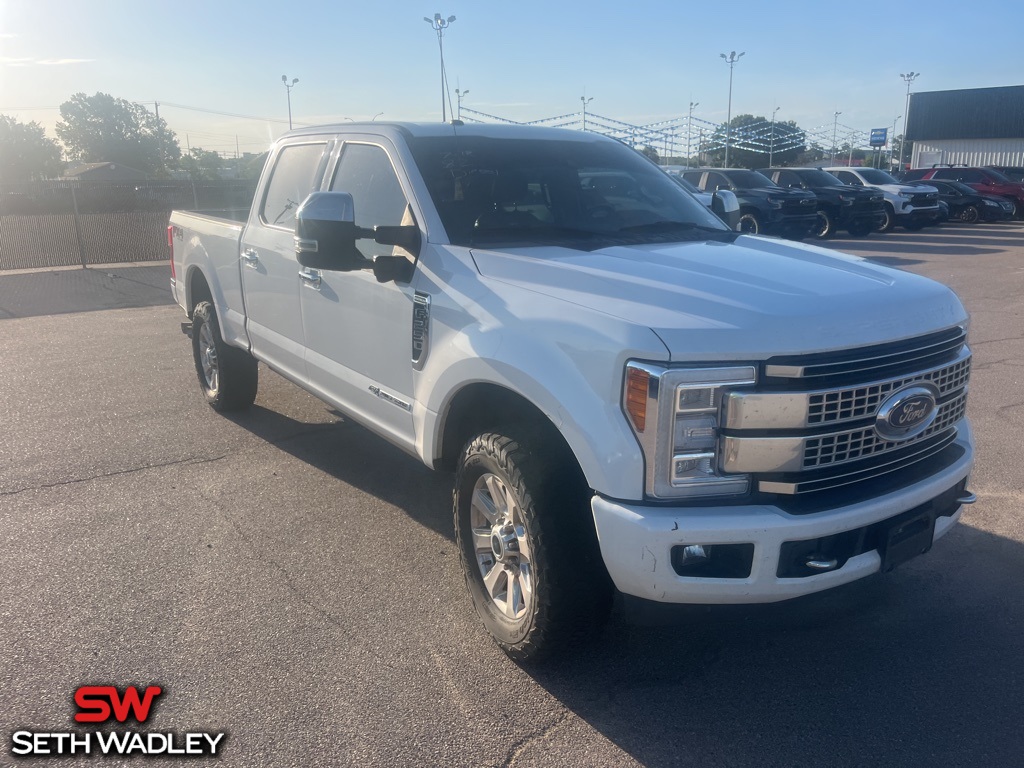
(251, 258)
(311, 278)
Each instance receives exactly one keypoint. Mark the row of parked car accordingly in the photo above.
(820, 202)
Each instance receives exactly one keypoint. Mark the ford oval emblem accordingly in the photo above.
(907, 413)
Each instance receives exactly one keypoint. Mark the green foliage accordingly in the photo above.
(202, 165)
(26, 154)
(753, 140)
(650, 152)
(101, 128)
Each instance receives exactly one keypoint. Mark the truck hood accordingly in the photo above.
(747, 300)
(906, 188)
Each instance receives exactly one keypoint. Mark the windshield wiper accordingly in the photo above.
(668, 226)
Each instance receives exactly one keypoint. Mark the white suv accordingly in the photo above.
(911, 207)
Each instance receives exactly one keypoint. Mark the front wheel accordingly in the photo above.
(970, 214)
(749, 224)
(825, 226)
(528, 545)
(228, 376)
(890, 219)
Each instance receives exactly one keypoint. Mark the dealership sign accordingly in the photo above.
(879, 136)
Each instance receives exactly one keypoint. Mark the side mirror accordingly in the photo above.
(725, 205)
(326, 232)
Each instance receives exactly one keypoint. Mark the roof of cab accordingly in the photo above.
(484, 130)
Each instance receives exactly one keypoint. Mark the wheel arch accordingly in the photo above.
(197, 288)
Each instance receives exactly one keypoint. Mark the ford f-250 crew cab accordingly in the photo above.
(631, 395)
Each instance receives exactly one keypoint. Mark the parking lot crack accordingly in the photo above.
(528, 741)
(116, 473)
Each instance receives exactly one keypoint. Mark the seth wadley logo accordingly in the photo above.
(98, 704)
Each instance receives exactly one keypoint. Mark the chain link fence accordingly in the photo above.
(71, 223)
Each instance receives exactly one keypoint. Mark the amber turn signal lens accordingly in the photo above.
(637, 382)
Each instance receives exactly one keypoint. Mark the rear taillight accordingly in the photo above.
(170, 248)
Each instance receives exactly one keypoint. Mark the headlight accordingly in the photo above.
(675, 414)
(774, 202)
(906, 195)
(990, 204)
(846, 199)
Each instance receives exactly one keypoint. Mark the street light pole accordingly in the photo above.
(458, 97)
(689, 130)
(440, 24)
(288, 87)
(835, 129)
(771, 147)
(731, 60)
(908, 78)
(585, 101)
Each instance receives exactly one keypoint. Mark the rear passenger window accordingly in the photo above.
(970, 177)
(946, 173)
(847, 178)
(789, 179)
(291, 181)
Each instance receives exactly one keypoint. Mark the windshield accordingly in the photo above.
(580, 194)
(749, 180)
(875, 176)
(1013, 174)
(998, 176)
(816, 178)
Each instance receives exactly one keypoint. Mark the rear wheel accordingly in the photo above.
(749, 223)
(528, 545)
(970, 214)
(228, 376)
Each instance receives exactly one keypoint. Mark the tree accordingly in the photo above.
(650, 152)
(753, 140)
(26, 153)
(202, 164)
(901, 156)
(100, 128)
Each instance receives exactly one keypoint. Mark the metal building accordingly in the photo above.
(975, 126)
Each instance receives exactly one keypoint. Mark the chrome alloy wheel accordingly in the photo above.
(208, 357)
(502, 546)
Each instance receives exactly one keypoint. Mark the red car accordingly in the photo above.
(987, 181)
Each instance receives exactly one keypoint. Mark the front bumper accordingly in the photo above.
(637, 540)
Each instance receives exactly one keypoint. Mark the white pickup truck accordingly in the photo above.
(631, 395)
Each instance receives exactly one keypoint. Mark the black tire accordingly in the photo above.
(228, 376)
(915, 225)
(558, 592)
(970, 214)
(889, 222)
(825, 226)
(749, 223)
(861, 228)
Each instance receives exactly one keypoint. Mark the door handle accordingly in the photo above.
(310, 278)
(251, 258)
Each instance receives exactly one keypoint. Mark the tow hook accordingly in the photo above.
(967, 498)
(186, 328)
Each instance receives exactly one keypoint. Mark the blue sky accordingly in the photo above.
(641, 62)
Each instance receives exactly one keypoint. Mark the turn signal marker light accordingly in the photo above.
(637, 383)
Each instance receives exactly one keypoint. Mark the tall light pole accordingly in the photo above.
(731, 60)
(376, 116)
(908, 78)
(458, 96)
(835, 130)
(585, 101)
(893, 150)
(288, 87)
(689, 130)
(440, 24)
(771, 147)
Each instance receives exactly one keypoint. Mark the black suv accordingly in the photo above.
(765, 207)
(858, 210)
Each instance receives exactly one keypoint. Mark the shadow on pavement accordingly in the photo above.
(58, 292)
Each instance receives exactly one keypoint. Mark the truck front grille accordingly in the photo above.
(795, 439)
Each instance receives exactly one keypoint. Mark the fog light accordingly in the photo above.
(713, 561)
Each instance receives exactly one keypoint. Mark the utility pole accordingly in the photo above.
(458, 96)
(689, 132)
(585, 101)
(835, 129)
(908, 78)
(288, 87)
(771, 148)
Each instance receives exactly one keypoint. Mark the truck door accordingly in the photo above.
(359, 332)
(271, 276)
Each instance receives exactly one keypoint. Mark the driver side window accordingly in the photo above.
(366, 173)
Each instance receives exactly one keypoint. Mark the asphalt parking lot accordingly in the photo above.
(292, 580)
